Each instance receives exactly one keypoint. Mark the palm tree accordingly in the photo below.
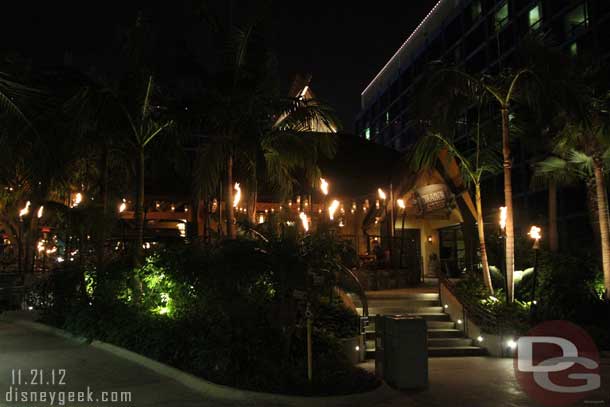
(503, 90)
(564, 168)
(431, 148)
(144, 128)
(254, 132)
(585, 141)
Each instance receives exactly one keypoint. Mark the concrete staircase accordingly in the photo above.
(444, 337)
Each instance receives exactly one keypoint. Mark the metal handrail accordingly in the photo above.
(474, 310)
(360, 288)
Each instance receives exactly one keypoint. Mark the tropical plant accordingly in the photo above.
(253, 130)
(145, 125)
(585, 145)
(434, 147)
(501, 89)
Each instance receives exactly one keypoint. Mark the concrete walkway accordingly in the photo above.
(469, 382)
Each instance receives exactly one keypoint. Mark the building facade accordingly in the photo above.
(482, 36)
(478, 36)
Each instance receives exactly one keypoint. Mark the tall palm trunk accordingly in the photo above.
(592, 209)
(104, 192)
(602, 213)
(508, 202)
(194, 224)
(481, 230)
(252, 206)
(231, 232)
(139, 210)
(553, 233)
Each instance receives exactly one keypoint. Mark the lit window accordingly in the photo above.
(502, 16)
(367, 133)
(535, 16)
(576, 20)
(476, 9)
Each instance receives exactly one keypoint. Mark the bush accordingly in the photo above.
(242, 304)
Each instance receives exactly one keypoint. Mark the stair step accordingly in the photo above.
(449, 342)
(405, 309)
(388, 295)
(399, 303)
(443, 351)
(456, 351)
(442, 333)
(432, 324)
(440, 324)
(432, 333)
(433, 316)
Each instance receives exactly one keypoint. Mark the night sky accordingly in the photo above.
(342, 44)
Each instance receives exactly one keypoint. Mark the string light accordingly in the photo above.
(397, 53)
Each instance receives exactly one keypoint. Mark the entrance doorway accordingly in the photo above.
(452, 250)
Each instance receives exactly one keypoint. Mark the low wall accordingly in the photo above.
(495, 344)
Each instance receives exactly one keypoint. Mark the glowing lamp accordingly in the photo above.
(237, 196)
(25, 210)
(304, 221)
(332, 209)
(324, 186)
(503, 215)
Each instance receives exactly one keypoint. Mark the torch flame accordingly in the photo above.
(25, 210)
(381, 193)
(503, 217)
(401, 203)
(122, 207)
(332, 209)
(324, 186)
(535, 233)
(40, 211)
(305, 221)
(78, 198)
(237, 196)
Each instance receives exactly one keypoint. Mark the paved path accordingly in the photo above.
(471, 382)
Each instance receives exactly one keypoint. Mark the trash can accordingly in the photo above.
(401, 351)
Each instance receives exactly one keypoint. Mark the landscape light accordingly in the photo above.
(479, 339)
